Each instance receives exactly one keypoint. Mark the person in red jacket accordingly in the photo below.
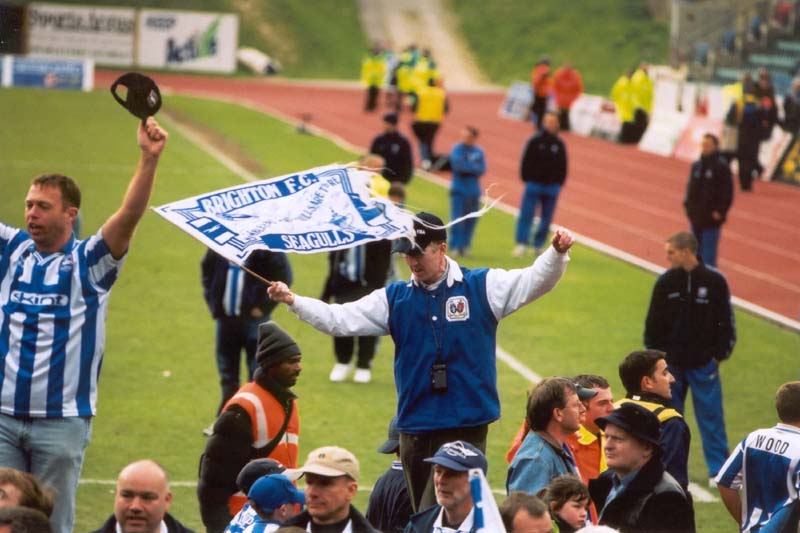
(567, 87)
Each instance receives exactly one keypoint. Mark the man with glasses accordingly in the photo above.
(443, 322)
(554, 413)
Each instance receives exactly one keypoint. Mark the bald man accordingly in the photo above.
(142, 501)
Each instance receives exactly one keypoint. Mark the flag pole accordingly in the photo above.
(263, 280)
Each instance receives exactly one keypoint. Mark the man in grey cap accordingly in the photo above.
(636, 494)
(443, 322)
(454, 505)
(389, 505)
(261, 420)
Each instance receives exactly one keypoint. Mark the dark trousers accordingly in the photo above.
(563, 118)
(371, 101)
(414, 449)
(538, 107)
(343, 346)
(425, 133)
(235, 334)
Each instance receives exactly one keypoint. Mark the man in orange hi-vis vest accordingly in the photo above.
(261, 420)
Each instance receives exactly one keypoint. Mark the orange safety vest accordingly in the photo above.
(267, 416)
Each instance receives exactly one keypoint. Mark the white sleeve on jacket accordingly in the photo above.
(368, 316)
(508, 290)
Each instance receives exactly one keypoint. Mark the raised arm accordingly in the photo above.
(118, 229)
(508, 290)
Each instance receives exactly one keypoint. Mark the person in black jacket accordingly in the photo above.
(395, 150)
(142, 501)
(239, 303)
(544, 170)
(389, 506)
(352, 274)
(635, 494)
(709, 195)
(648, 382)
(691, 319)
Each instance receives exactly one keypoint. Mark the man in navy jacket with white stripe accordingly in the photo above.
(443, 322)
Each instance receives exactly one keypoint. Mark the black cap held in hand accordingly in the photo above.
(143, 98)
(274, 345)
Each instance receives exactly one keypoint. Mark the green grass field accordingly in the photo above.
(601, 37)
(159, 385)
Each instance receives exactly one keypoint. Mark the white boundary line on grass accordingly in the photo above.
(698, 492)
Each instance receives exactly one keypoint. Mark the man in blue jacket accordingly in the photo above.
(468, 165)
(443, 322)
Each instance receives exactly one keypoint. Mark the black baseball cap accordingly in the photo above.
(392, 444)
(636, 420)
(428, 228)
(143, 98)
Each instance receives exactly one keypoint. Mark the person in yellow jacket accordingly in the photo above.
(373, 71)
(642, 87)
(624, 102)
(260, 420)
(430, 108)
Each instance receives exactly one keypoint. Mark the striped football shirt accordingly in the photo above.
(766, 467)
(52, 324)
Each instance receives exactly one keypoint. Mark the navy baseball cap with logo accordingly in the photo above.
(459, 456)
(428, 228)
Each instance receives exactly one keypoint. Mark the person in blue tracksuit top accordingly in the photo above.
(443, 322)
(468, 165)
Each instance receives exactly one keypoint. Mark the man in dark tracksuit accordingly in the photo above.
(239, 303)
(647, 382)
(709, 195)
(353, 273)
(544, 170)
(691, 319)
(395, 149)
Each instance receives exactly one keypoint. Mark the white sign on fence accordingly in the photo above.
(105, 34)
(186, 40)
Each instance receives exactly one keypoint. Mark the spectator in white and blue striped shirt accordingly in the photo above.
(760, 482)
(54, 293)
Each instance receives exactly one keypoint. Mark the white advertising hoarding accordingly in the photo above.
(185, 40)
(105, 34)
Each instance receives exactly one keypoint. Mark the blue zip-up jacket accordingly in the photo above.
(468, 165)
(452, 325)
(536, 464)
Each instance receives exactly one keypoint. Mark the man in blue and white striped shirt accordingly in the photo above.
(765, 467)
(54, 293)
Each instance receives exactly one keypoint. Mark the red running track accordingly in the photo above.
(614, 194)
